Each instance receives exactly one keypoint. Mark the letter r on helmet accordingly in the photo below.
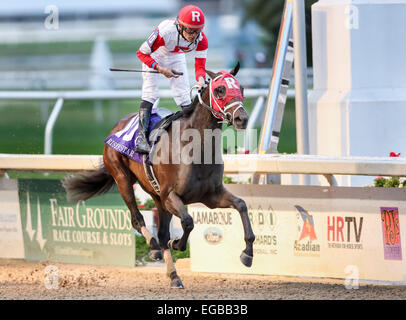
(196, 15)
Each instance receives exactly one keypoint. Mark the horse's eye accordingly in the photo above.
(220, 92)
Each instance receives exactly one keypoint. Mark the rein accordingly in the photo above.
(223, 114)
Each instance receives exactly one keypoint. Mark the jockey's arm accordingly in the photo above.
(200, 59)
(153, 42)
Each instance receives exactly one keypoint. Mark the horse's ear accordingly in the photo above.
(235, 70)
(212, 75)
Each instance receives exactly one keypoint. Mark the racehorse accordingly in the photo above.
(180, 183)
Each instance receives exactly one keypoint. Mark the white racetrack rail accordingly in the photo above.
(233, 164)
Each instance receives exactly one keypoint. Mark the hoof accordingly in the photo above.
(171, 242)
(177, 284)
(246, 259)
(155, 255)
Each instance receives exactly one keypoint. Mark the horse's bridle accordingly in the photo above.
(223, 114)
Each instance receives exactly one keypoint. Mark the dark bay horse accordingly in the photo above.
(181, 183)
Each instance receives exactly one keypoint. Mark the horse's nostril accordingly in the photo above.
(241, 122)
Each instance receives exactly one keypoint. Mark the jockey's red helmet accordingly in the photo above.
(191, 17)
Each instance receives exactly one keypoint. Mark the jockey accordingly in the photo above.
(164, 51)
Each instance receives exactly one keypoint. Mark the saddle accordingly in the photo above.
(163, 125)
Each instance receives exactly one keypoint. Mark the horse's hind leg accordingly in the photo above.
(125, 180)
(175, 205)
(225, 199)
(137, 220)
(163, 236)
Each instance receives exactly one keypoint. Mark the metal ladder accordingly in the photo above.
(278, 91)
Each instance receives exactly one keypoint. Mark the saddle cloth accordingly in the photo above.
(123, 141)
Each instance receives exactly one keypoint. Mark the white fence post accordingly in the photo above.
(50, 126)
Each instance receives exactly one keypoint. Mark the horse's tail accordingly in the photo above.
(86, 185)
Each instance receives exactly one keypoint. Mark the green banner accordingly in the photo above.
(96, 231)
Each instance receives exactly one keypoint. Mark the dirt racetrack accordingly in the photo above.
(25, 280)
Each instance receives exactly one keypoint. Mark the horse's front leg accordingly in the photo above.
(176, 206)
(225, 199)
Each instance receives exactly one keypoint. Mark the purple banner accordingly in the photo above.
(391, 233)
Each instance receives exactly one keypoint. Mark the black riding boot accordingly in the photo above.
(141, 144)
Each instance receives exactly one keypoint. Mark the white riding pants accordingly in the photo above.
(180, 86)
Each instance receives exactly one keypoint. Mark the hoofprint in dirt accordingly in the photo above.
(27, 280)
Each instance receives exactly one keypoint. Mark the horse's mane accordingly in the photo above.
(187, 113)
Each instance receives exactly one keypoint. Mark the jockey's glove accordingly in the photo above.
(167, 72)
(201, 82)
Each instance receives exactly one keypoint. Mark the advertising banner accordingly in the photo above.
(96, 231)
(306, 231)
(11, 238)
